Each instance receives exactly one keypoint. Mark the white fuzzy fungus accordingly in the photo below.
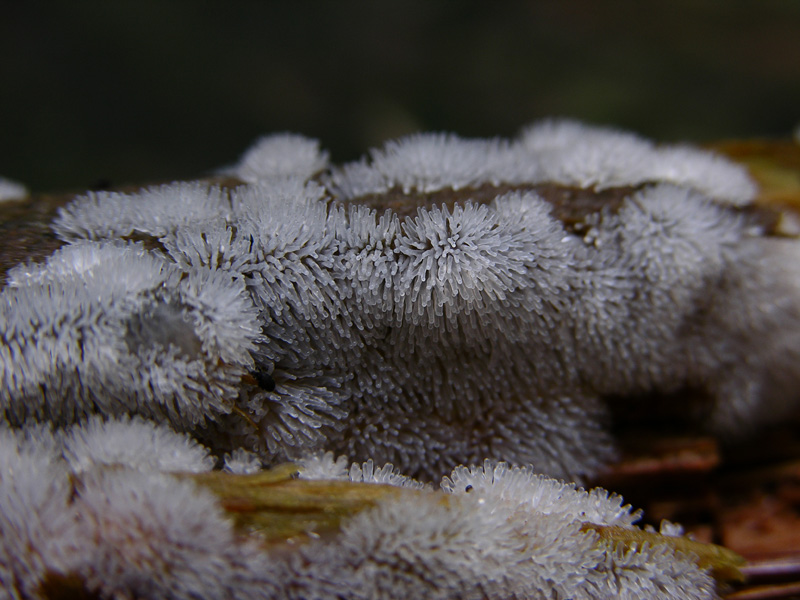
(441, 301)
(134, 444)
(280, 154)
(109, 327)
(242, 462)
(131, 530)
(154, 211)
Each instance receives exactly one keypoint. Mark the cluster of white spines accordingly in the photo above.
(282, 154)
(574, 154)
(109, 327)
(242, 462)
(562, 151)
(521, 486)
(35, 524)
(426, 162)
(135, 444)
(76, 509)
(456, 262)
(75, 504)
(155, 211)
(481, 329)
(502, 532)
(327, 467)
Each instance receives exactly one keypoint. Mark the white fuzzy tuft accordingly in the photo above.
(38, 527)
(282, 154)
(154, 536)
(111, 521)
(243, 462)
(134, 444)
(507, 533)
(111, 328)
(536, 277)
(283, 319)
(155, 211)
(323, 466)
(572, 153)
(523, 488)
(386, 475)
(711, 174)
(561, 151)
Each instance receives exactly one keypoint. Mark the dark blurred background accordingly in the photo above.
(142, 91)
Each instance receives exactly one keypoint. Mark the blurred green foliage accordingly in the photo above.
(132, 91)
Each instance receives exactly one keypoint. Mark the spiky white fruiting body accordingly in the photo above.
(571, 153)
(38, 527)
(242, 462)
(501, 532)
(134, 444)
(326, 467)
(152, 536)
(155, 211)
(109, 327)
(281, 154)
(493, 320)
(71, 521)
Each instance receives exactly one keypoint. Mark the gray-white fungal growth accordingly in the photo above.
(156, 211)
(571, 153)
(502, 533)
(565, 152)
(112, 328)
(275, 155)
(136, 530)
(135, 444)
(438, 302)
